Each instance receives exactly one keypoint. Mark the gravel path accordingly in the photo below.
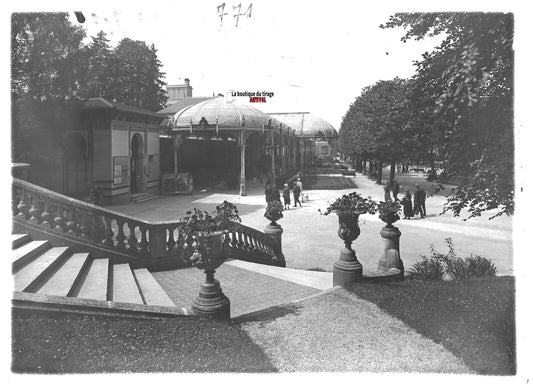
(359, 338)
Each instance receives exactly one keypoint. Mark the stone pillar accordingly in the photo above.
(242, 191)
(211, 302)
(391, 252)
(274, 232)
(347, 269)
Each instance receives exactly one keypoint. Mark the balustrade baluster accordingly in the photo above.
(144, 241)
(46, 215)
(23, 206)
(233, 242)
(121, 237)
(59, 220)
(171, 243)
(108, 233)
(72, 226)
(15, 199)
(34, 211)
(240, 243)
(84, 225)
(132, 241)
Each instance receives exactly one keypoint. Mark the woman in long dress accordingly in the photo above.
(407, 205)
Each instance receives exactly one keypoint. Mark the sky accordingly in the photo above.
(314, 56)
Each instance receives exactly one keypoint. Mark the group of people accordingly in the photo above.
(410, 208)
(272, 193)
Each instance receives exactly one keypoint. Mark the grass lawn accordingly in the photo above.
(56, 342)
(474, 319)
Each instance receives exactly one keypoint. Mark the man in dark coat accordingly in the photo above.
(420, 201)
(296, 192)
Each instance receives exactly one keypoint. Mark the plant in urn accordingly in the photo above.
(208, 233)
(274, 212)
(390, 262)
(348, 208)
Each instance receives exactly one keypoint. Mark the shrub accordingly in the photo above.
(441, 266)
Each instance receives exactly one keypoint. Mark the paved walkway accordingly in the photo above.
(249, 286)
(310, 240)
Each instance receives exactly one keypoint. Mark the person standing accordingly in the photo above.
(268, 192)
(287, 196)
(387, 192)
(300, 184)
(296, 194)
(407, 205)
(420, 202)
(395, 190)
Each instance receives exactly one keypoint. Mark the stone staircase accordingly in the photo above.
(57, 278)
(143, 197)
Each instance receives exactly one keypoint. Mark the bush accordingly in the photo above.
(449, 266)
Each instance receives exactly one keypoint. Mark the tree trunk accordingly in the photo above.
(358, 165)
(380, 172)
(392, 171)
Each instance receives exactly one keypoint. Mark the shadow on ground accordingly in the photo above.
(270, 314)
(45, 342)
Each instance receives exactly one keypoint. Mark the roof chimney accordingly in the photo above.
(187, 80)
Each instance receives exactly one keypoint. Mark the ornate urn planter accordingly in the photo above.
(347, 269)
(208, 234)
(348, 207)
(208, 256)
(390, 261)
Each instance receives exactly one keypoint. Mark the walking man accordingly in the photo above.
(300, 184)
(296, 192)
(420, 201)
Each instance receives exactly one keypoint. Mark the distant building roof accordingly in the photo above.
(101, 103)
(305, 123)
(181, 104)
(228, 114)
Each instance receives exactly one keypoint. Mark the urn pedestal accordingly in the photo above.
(211, 302)
(347, 269)
(390, 259)
(208, 256)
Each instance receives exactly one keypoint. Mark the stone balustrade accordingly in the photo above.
(103, 228)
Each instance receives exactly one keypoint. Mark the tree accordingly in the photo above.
(45, 56)
(136, 78)
(373, 127)
(97, 78)
(467, 84)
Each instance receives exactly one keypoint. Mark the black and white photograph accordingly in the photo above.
(242, 189)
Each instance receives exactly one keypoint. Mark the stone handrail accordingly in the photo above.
(100, 227)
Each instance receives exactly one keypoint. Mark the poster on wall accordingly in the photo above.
(121, 173)
(177, 183)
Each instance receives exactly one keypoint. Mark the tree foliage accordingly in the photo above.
(373, 126)
(45, 56)
(50, 62)
(458, 108)
(467, 83)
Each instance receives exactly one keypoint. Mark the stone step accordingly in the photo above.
(152, 292)
(142, 197)
(63, 280)
(94, 285)
(26, 253)
(124, 286)
(18, 240)
(35, 273)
